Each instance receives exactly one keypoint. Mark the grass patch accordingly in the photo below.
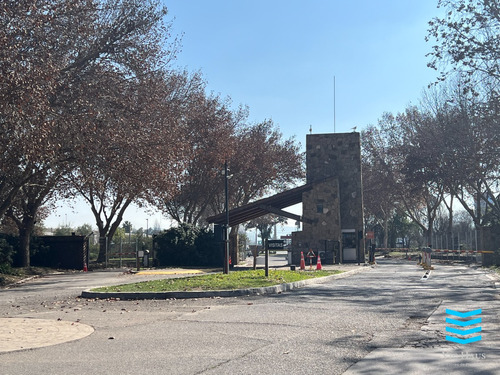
(219, 281)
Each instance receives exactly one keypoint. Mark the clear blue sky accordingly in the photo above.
(280, 58)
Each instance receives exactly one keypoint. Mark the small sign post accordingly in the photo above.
(276, 244)
(272, 245)
(266, 257)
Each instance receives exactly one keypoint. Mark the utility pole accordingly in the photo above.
(226, 226)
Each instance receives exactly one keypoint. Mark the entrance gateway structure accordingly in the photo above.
(332, 201)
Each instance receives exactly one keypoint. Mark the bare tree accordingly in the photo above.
(379, 193)
(463, 143)
(467, 41)
(393, 151)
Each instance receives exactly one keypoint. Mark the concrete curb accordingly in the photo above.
(275, 289)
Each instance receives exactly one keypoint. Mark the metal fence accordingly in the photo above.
(122, 253)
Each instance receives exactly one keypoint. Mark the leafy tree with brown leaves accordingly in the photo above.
(37, 40)
(25, 210)
(39, 138)
(78, 78)
(210, 126)
(263, 162)
(141, 153)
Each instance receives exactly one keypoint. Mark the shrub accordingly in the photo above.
(187, 245)
(6, 253)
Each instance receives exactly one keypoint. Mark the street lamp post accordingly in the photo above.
(226, 226)
(146, 254)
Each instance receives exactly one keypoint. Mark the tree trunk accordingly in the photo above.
(450, 225)
(25, 226)
(479, 240)
(428, 236)
(25, 231)
(102, 245)
(108, 229)
(386, 232)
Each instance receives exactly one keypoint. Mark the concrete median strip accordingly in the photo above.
(27, 333)
(219, 293)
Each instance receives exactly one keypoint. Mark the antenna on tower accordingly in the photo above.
(310, 129)
(334, 114)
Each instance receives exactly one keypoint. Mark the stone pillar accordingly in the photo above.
(333, 161)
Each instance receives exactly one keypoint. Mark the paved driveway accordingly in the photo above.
(345, 324)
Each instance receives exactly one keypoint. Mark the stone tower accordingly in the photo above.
(333, 209)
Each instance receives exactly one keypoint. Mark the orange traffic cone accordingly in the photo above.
(85, 267)
(302, 261)
(318, 264)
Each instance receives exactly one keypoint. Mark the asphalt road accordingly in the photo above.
(320, 329)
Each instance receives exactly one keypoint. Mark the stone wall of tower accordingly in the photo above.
(339, 155)
(321, 206)
(333, 159)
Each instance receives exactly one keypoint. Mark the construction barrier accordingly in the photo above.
(466, 255)
(398, 249)
(302, 261)
(318, 264)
